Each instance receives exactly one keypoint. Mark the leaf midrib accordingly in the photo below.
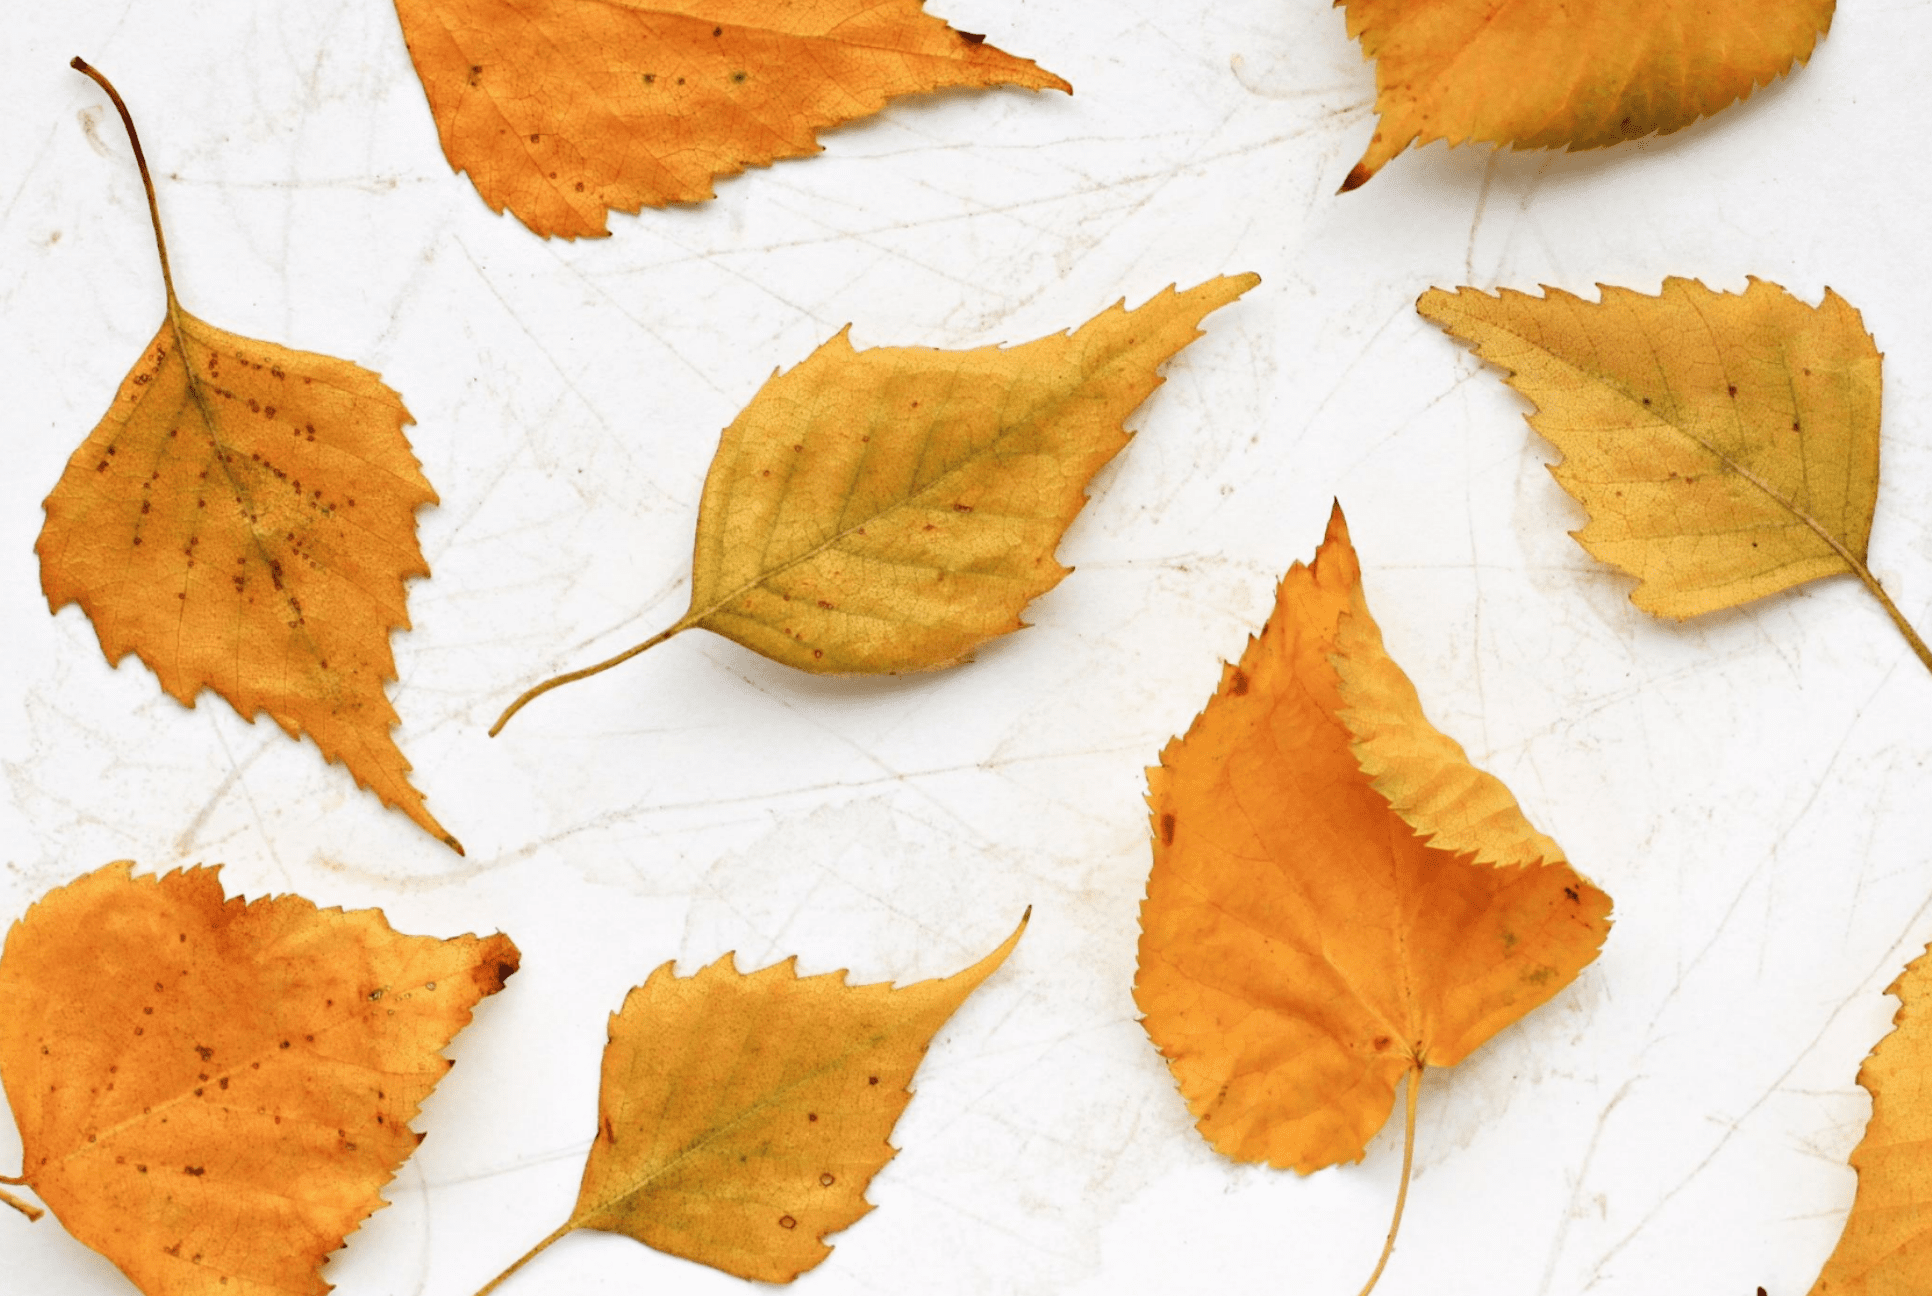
(1041, 412)
(711, 1134)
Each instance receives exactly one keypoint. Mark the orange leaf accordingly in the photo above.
(1549, 74)
(1302, 946)
(565, 110)
(243, 519)
(743, 1114)
(212, 1093)
(1886, 1249)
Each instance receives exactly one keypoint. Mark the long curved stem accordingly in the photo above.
(31, 1211)
(529, 695)
(526, 1258)
(80, 64)
(1402, 1194)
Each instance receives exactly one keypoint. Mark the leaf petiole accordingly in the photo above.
(571, 677)
(1402, 1193)
(28, 1209)
(1891, 609)
(568, 1226)
(81, 65)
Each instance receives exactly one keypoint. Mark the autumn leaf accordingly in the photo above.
(243, 519)
(566, 110)
(1549, 74)
(890, 510)
(743, 1114)
(1886, 1248)
(1725, 444)
(212, 1093)
(1303, 947)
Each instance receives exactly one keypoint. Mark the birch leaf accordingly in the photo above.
(243, 520)
(1303, 948)
(1724, 444)
(1886, 1248)
(743, 1114)
(1550, 74)
(890, 510)
(566, 110)
(212, 1093)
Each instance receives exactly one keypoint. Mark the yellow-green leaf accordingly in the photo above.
(889, 510)
(1424, 773)
(1725, 444)
(743, 1114)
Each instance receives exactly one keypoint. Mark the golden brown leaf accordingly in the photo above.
(891, 510)
(1548, 74)
(243, 519)
(1423, 772)
(212, 1093)
(1302, 947)
(566, 110)
(1886, 1248)
(742, 1115)
(1725, 444)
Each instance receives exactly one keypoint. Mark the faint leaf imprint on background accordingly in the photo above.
(243, 519)
(892, 509)
(566, 110)
(1725, 444)
(1302, 947)
(1551, 73)
(212, 1093)
(1886, 1249)
(742, 1115)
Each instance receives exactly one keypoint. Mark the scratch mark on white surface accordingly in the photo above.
(1575, 1205)
(1735, 1124)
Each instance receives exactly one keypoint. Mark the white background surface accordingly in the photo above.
(1752, 788)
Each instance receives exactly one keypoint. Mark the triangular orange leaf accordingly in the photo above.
(1554, 74)
(243, 519)
(566, 110)
(212, 1093)
(1302, 947)
(743, 1114)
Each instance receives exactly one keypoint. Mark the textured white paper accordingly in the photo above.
(1751, 788)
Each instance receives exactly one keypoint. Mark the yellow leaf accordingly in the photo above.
(1725, 444)
(1422, 771)
(565, 110)
(212, 1093)
(890, 510)
(243, 519)
(1302, 947)
(742, 1115)
(1886, 1249)
(1549, 74)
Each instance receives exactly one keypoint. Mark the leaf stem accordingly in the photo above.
(31, 1211)
(1891, 609)
(557, 681)
(490, 1286)
(80, 64)
(1402, 1194)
